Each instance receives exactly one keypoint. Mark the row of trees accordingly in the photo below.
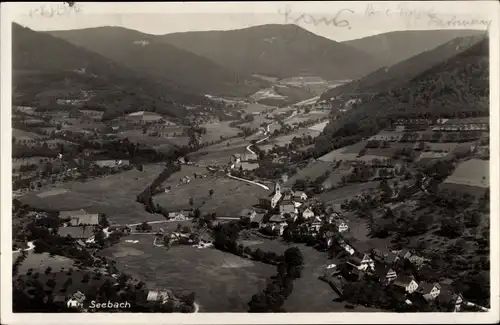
(280, 286)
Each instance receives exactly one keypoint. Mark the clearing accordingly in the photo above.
(114, 195)
(473, 172)
(229, 198)
(223, 282)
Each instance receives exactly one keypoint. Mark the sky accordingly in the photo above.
(338, 21)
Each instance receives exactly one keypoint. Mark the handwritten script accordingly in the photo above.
(54, 10)
(336, 21)
(419, 16)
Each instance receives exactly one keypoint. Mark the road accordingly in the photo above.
(157, 221)
(247, 181)
(31, 246)
(252, 152)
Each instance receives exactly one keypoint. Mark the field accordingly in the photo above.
(284, 139)
(39, 262)
(114, 195)
(21, 135)
(319, 294)
(222, 282)
(313, 115)
(229, 198)
(312, 171)
(257, 108)
(344, 153)
(79, 124)
(257, 121)
(163, 143)
(216, 130)
(388, 136)
(473, 172)
(17, 162)
(221, 153)
(338, 196)
(318, 127)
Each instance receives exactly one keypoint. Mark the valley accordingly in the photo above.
(247, 173)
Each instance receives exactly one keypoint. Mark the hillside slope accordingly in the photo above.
(458, 86)
(394, 47)
(141, 52)
(278, 51)
(46, 68)
(388, 77)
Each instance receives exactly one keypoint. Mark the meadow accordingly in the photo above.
(229, 198)
(114, 195)
(473, 172)
(223, 282)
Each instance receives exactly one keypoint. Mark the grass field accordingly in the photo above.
(229, 198)
(114, 195)
(163, 143)
(256, 107)
(257, 121)
(312, 171)
(24, 135)
(473, 172)
(319, 294)
(318, 127)
(222, 282)
(313, 115)
(339, 195)
(344, 153)
(39, 262)
(216, 130)
(284, 139)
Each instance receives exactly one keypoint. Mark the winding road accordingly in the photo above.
(267, 133)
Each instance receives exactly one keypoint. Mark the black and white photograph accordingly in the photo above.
(271, 159)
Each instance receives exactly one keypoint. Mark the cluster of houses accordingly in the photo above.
(381, 265)
(244, 161)
(79, 224)
(284, 205)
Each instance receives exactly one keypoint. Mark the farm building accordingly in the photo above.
(77, 232)
(80, 217)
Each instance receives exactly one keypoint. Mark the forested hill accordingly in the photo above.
(456, 87)
(387, 78)
(46, 68)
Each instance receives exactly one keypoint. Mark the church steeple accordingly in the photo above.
(277, 188)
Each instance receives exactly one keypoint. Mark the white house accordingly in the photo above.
(361, 261)
(406, 282)
(299, 195)
(307, 214)
(341, 225)
(429, 291)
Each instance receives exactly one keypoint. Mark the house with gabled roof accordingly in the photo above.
(384, 273)
(449, 298)
(429, 291)
(406, 282)
(287, 207)
(341, 225)
(257, 220)
(299, 195)
(403, 254)
(307, 213)
(361, 261)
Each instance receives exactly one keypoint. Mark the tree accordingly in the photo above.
(293, 257)
(103, 221)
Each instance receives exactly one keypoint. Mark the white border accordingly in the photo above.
(10, 10)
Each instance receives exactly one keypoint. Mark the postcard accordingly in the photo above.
(249, 162)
